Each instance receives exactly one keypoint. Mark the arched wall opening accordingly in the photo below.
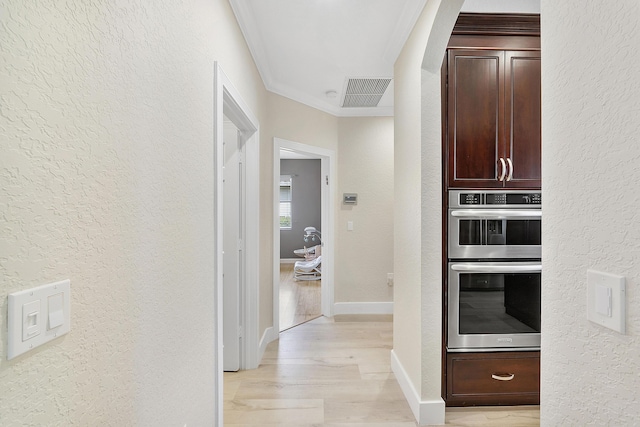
(417, 352)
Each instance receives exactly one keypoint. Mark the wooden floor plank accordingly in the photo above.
(300, 301)
(328, 373)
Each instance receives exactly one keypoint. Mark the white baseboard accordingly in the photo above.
(363, 308)
(270, 334)
(290, 260)
(427, 412)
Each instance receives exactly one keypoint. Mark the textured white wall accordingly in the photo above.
(364, 256)
(418, 187)
(591, 152)
(106, 172)
(407, 294)
(296, 122)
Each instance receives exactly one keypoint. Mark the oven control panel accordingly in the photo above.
(470, 199)
(515, 198)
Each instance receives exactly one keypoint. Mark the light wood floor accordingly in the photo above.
(299, 300)
(336, 373)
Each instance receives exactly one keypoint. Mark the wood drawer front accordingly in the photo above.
(474, 374)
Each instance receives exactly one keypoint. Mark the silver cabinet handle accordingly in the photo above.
(510, 176)
(503, 169)
(503, 377)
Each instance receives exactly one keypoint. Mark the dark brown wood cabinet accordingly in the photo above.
(504, 378)
(491, 128)
(493, 118)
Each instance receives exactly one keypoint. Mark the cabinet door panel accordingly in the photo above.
(475, 117)
(523, 118)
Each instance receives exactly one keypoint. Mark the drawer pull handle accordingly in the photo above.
(503, 377)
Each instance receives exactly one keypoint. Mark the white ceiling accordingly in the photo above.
(306, 48)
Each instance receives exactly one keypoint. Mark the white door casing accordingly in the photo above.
(229, 103)
(232, 246)
(328, 177)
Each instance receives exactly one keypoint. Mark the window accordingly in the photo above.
(285, 202)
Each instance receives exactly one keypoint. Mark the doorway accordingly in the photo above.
(236, 209)
(325, 235)
(300, 238)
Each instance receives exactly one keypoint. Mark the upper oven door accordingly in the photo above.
(494, 233)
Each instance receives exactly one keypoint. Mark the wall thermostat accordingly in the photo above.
(350, 198)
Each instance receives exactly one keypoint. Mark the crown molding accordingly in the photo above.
(248, 26)
(497, 24)
(404, 26)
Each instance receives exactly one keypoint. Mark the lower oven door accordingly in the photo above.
(493, 306)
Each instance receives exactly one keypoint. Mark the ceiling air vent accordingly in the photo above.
(364, 92)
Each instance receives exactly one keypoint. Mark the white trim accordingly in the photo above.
(290, 260)
(229, 102)
(328, 168)
(218, 119)
(249, 28)
(251, 250)
(404, 26)
(363, 308)
(426, 412)
(270, 334)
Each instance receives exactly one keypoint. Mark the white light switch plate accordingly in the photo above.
(606, 300)
(37, 316)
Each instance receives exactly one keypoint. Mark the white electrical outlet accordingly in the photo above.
(389, 279)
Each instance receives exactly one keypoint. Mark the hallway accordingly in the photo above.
(336, 372)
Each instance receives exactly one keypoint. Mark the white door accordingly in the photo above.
(232, 247)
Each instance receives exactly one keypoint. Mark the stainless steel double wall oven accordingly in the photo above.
(494, 270)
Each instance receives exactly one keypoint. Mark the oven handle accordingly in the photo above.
(496, 213)
(495, 268)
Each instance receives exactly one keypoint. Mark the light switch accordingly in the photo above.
(56, 310)
(606, 300)
(603, 300)
(37, 316)
(349, 225)
(30, 320)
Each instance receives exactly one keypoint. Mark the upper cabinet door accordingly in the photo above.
(493, 118)
(475, 104)
(523, 117)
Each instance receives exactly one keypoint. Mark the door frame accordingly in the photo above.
(228, 102)
(328, 177)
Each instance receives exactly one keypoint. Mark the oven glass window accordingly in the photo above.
(470, 232)
(501, 303)
(523, 232)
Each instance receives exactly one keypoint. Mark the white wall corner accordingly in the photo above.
(426, 412)
(363, 308)
(270, 334)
